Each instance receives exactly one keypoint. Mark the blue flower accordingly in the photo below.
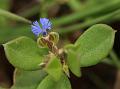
(45, 26)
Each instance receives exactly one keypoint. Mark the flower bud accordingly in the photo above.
(41, 41)
(54, 37)
(49, 41)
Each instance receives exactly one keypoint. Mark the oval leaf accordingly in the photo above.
(73, 63)
(24, 53)
(49, 83)
(27, 79)
(73, 60)
(94, 44)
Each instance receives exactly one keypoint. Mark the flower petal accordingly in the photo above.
(46, 24)
(36, 28)
(44, 21)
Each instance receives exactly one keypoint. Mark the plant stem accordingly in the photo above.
(108, 61)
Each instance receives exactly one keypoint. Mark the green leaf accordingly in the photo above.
(14, 32)
(94, 44)
(73, 62)
(27, 79)
(49, 83)
(54, 67)
(24, 53)
(38, 80)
